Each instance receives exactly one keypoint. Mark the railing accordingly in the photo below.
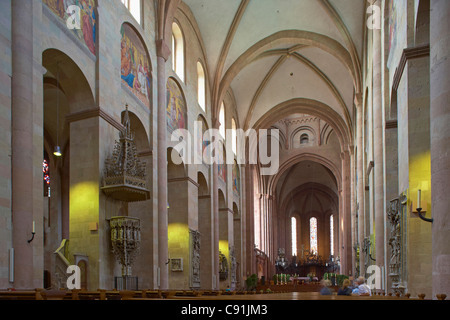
(126, 283)
(61, 263)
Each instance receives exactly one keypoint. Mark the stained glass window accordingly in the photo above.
(313, 235)
(46, 175)
(294, 235)
(331, 235)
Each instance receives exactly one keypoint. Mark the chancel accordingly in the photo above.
(104, 103)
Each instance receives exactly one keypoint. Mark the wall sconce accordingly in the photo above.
(419, 207)
(32, 232)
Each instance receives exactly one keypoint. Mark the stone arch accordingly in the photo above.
(73, 82)
(313, 108)
(141, 137)
(203, 188)
(175, 167)
(273, 180)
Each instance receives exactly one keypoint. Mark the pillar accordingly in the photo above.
(215, 194)
(22, 141)
(360, 176)
(346, 257)
(378, 140)
(440, 143)
(163, 53)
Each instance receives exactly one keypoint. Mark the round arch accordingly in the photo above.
(313, 108)
(140, 134)
(72, 81)
(273, 181)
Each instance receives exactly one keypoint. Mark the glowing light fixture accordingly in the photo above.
(57, 151)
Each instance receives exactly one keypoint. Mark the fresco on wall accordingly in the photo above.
(236, 178)
(87, 18)
(176, 107)
(203, 142)
(392, 23)
(135, 65)
(222, 166)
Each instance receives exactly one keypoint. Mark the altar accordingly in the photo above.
(311, 267)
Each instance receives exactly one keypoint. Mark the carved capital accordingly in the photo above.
(163, 50)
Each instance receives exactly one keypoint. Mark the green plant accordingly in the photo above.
(275, 279)
(251, 282)
(340, 279)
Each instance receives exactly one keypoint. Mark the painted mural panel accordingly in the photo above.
(84, 24)
(222, 166)
(392, 23)
(135, 65)
(236, 178)
(176, 107)
(203, 141)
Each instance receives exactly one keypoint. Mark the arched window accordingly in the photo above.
(294, 236)
(222, 121)
(234, 135)
(177, 51)
(201, 86)
(134, 6)
(304, 139)
(313, 248)
(331, 235)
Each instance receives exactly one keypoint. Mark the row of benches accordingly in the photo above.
(41, 294)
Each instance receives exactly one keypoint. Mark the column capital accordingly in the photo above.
(162, 49)
(358, 100)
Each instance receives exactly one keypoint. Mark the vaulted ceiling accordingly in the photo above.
(271, 51)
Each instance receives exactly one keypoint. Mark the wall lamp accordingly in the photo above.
(32, 232)
(419, 208)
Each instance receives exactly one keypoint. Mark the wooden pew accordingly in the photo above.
(21, 295)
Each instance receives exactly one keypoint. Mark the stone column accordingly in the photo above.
(215, 195)
(346, 258)
(341, 233)
(378, 120)
(354, 236)
(440, 143)
(249, 230)
(163, 53)
(360, 176)
(22, 141)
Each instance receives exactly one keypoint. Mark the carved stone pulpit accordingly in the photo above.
(125, 240)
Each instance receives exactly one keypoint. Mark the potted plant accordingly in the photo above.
(251, 282)
(275, 279)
